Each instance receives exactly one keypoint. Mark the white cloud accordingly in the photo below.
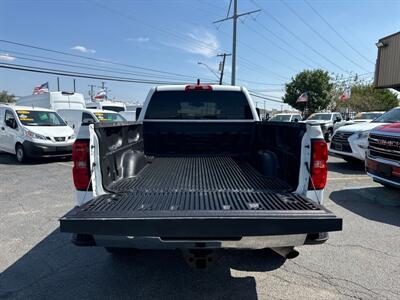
(83, 49)
(204, 43)
(140, 39)
(7, 57)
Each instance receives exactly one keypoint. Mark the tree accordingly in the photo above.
(364, 97)
(318, 86)
(6, 98)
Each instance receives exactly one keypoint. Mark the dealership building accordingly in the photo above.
(387, 70)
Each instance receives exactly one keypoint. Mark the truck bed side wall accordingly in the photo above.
(273, 148)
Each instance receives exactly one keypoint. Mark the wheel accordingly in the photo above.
(116, 251)
(20, 153)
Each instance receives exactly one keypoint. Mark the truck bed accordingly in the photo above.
(199, 196)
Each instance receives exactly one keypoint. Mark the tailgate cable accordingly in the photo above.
(90, 182)
(312, 182)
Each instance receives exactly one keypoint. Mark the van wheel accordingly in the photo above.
(20, 153)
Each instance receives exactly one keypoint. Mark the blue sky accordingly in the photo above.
(174, 35)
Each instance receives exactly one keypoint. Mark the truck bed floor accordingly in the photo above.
(194, 173)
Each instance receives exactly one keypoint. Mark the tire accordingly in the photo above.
(116, 251)
(20, 153)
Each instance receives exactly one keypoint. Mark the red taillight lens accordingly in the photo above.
(81, 169)
(319, 168)
(194, 87)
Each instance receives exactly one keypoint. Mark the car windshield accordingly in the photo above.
(392, 116)
(281, 118)
(199, 104)
(39, 118)
(325, 117)
(109, 117)
(367, 116)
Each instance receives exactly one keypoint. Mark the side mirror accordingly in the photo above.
(296, 120)
(137, 113)
(348, 119)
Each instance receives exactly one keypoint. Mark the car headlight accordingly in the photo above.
(363, 134)
(72, 137)
(33, 135)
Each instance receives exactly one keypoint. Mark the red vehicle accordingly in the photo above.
(383, 155)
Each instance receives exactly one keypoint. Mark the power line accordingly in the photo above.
(274, 44)
(91, 58)
(82, 75)
(265, 98)
(298, 38)
(322, 37)
(286, 43)
(337, 33)
(90, 67)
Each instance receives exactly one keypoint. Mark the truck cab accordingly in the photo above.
(200, 171)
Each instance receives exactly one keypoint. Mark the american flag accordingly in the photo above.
(302, 98)
(346, 94)
(102, 94)
(44, 88)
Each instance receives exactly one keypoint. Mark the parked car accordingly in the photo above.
(200, 171)
(75, 117)
(351, 142)
(383, 155)
(54, 100)
(361, 117)
(34, 132)
(116, 106)
(286, 117)
(326, 121)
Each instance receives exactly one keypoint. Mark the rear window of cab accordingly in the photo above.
(199, 104)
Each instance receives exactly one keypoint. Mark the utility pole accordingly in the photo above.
(74, 85)
(224, 55)
(234, 18)
(58, 84)
(91, 91)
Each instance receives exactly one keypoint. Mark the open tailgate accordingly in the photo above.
(195, 214)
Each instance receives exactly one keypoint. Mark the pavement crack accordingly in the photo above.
(362, 247)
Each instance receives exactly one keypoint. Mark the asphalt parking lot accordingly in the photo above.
(39, 262)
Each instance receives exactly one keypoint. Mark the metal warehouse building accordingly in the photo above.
(387, 71)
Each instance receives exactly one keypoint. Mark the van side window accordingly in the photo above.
(87, 118)
(9, 116)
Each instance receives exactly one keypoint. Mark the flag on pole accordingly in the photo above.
(102, 94)
(346, 94)
(302, 98)
(44, 88)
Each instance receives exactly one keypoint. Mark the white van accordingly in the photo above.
(34, 132)
(54, 100)
(75, 117)
(116, 106)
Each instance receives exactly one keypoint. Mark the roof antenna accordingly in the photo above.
(198, 81)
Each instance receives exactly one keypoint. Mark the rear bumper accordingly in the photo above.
(255, 242)
(40, 150)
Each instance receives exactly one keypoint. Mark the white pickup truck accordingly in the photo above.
(199, 171)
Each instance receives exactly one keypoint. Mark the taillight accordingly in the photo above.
(81, 169)
(195, 87)
(319, 168)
